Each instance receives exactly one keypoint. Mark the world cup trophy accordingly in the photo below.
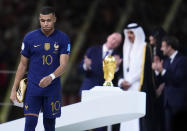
(109, 68)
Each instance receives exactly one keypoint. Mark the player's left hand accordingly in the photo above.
(44, 82)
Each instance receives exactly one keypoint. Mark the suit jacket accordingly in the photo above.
(95, 76)
(175, 78)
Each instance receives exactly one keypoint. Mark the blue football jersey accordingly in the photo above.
(44, 57)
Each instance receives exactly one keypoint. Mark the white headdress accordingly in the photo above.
(133, 59)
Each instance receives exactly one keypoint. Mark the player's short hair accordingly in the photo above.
(47, 10)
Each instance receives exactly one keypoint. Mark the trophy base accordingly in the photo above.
(107, 83)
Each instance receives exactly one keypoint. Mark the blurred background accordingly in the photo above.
(87, 23)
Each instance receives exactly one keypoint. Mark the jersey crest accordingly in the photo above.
(56, 46)
(47, 46)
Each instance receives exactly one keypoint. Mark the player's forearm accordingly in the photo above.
(59, 71)
(63, 64)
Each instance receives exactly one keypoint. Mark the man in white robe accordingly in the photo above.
(133, 53)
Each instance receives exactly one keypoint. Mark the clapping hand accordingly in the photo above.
(157, 64)
(87, 62)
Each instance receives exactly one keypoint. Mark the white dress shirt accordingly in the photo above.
(171, 60)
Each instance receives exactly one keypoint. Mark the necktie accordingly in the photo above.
(170, 60)
(106, 53)
(168, 63)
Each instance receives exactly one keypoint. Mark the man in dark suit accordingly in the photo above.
(92, 64)
(173, 71)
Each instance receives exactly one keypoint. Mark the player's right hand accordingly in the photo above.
(13, 95)
(45, 81)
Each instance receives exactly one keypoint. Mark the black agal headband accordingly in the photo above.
(132, 27)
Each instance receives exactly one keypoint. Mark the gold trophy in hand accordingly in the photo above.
(109, 68)
(20, 94)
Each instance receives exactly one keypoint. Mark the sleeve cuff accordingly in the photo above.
(85, 68)
(163, 72)
(156, 72)
(119, 82)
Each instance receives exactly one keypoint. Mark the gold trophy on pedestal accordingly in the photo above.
(109, 68)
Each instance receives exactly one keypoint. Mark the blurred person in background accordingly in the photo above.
(173, 72)
(92, 64)
(137, 75)
(3, 78)
(45, 52)
(155, 39)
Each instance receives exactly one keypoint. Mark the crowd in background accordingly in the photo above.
(15, 21)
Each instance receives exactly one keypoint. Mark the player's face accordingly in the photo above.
(47, 22)
(131, 36)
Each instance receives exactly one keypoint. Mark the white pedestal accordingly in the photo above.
(100, 91)
(100, 107)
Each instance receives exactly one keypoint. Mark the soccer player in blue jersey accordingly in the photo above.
(45, 52)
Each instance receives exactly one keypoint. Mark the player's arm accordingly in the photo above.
(63, 63)
(58, 72)
(19, 75)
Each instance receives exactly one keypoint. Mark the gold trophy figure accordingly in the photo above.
(20, 94)
(109, 68)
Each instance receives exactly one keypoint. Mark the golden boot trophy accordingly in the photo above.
(109, 68)
(20, 94)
